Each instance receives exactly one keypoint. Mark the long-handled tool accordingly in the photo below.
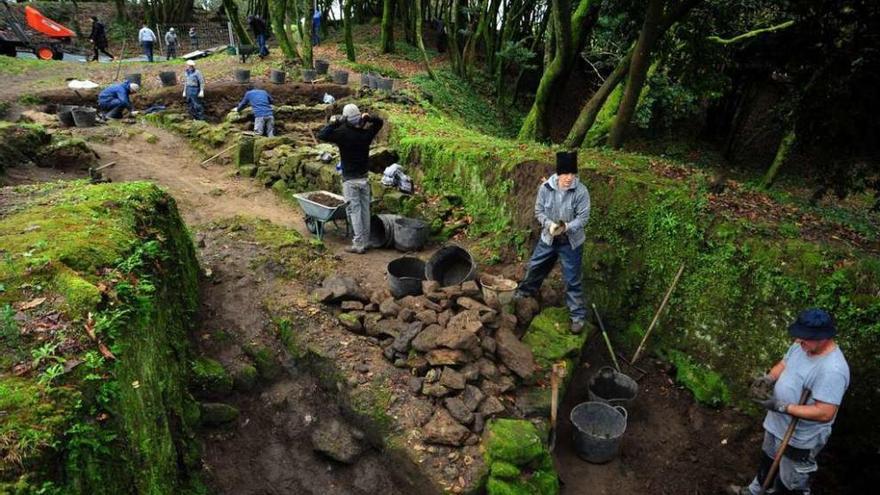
(557, 372)
(657, 314)
(607, 340)
(771, 474)
(218, 154)
(121, 56)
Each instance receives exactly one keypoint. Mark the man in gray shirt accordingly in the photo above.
(814, 363)
(194, 90)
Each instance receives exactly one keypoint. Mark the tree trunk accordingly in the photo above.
(121, 11)
(417, 16)
(782, 152)
(232, 14)
(387, 40)
(452, 38)
(591, 109)
(346, 23)
(278, 20)
(653, 28)
(307, 58)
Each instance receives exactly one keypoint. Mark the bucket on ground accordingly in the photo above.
(598, 429)
(277, 76)
(374, 80)
(168, 78)
(65, 115)
(382, 230)
(134, 77)
(451, 265)
(405, 276)
(366, 79)
(385, 84)
(309, 75)
(242, 76)
(612, 387)
(84, 116)
(497, 291)
(410, 234)
(340, 77)
(321, 66)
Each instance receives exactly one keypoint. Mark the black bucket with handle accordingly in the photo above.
(277, 76)
(242, 76)
(168, 78)
(405, 276)
(340, 77)
(65, 115)
(598, 429)
(612, 387)
(134, 77)
(84, 116)
(451, 265)
(410, 234)
(382, 230)
(321, 66)
(366, 80)
(386, 84)
(309, 75)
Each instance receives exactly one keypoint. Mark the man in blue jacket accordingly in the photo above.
(563, 209)
(261, 102)
(115, 99)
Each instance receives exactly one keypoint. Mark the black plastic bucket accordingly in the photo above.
(386, 84)
(277, 76)
(309, 75)
(242, 76)
(135, 78)
(84, 116)
(168, 78)
(65, 115)
(340, 77)
(321, 66)
(451, 265)
(382, 230)
(374, 81)
(612, 387)
(598, 429)
(410, 234)
(405, 276)
(366, 80)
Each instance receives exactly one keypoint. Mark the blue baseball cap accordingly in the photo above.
(813, 324)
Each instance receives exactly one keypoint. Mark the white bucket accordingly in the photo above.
(497, 291)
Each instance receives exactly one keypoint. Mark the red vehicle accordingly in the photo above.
(48, 41)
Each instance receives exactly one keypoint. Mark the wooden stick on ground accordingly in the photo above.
(121, 56)
(218, 154)
(657, 314)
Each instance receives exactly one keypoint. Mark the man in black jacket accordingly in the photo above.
(258, 26)
(98, 37)
(353, 132)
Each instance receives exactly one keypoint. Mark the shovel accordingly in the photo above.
(557, 372)
(771, 474)
(607, 340)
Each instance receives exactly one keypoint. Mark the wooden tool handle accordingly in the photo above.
(771, 474)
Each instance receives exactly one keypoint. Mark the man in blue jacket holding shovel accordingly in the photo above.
(563, 209)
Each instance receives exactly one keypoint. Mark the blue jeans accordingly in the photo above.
(148, 50)
(261, 42)
(112, 108)
(194, 103)
(543, 259)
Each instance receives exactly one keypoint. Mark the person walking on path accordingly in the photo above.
(261, 102)
(316, 27)
(258, 26)
(352, 133)
(147, 39)
(170, 44)
(98, 38)
(193, 38)
(194, 90)
(115, 99)
(813, 363)
(562, 208)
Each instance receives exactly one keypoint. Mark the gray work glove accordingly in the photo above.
(773, 404)
(762, 387)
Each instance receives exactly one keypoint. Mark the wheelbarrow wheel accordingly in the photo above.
(312, 225)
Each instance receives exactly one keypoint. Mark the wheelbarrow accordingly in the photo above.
(317, 215)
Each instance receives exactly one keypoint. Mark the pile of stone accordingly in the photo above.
(462, 354)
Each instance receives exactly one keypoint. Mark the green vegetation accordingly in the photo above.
(209, 376)
(382, 70)
(122, 418)
(519, 463)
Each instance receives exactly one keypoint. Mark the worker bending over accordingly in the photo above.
(116, 98)
(261, 102)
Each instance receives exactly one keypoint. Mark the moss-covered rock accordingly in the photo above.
(264, 361)
(519, 462)
(218, 413)
(210, 377)
(122, 420)
(19, 142)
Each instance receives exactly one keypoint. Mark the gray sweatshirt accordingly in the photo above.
(571, 206)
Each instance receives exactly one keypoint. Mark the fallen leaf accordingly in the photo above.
(135, 384)
(32, 303)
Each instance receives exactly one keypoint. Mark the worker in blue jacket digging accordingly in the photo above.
(563, 209)
(115, 99)
(261, 102)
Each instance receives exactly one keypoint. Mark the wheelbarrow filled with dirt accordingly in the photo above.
(320, 207)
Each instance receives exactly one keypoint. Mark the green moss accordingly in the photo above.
(550, 339)
(210, 376)
(501, 469)
(373, 402)
(80, 294)
(218, 414)
(512, 440)
(519, 462)
(264, 360)
(245, 378)
(707, 385)
(20, 142)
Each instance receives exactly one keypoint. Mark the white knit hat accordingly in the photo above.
(351, 113)
(134, 87)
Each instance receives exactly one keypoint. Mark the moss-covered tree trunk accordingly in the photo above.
(590, 111)
(278, 20)
(307, 28)
(232, 14)
(655, 25)
(387, 40)
(417, 14)
(570, 31)
(346, 24)
(455, 59)
(785, 146)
